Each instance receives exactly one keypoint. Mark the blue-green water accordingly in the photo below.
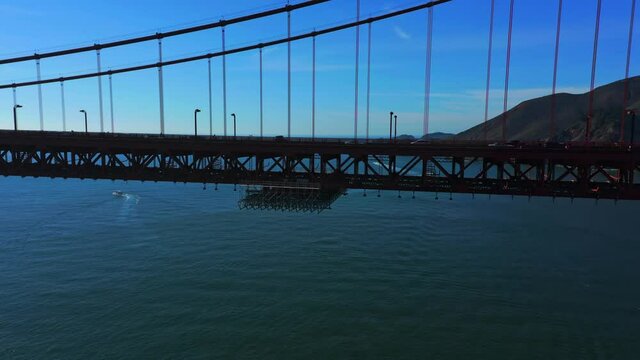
(178, 272)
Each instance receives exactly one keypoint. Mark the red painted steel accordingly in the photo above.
(594, 63)
(506, 78)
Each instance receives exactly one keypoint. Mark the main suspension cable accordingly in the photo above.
(232, 51)
(221, 23)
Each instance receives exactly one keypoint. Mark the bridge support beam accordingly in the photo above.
(586, 172)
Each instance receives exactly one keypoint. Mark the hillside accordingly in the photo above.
(529, 121)
(438, 136)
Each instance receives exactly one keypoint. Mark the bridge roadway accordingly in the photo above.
(533, 169)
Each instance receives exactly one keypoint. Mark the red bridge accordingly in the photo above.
(493, 166)
(544, 169)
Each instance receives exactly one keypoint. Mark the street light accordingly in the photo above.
(195, 121)
(390, 126)
(395, 137)
(632, 112)
(15, 116)
(86, 126)
(234, 125)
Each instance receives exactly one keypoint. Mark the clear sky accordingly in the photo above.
(398, 62)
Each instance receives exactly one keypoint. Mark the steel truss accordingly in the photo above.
(578, 172)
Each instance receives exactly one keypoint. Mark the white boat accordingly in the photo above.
(119, 193)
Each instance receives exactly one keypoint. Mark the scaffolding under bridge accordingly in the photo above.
(289, 197)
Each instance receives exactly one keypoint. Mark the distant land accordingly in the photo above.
(432, 136)
(529, 121)
(438, 136)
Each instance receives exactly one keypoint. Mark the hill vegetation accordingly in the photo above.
(530, 120)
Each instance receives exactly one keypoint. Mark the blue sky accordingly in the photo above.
(398, 62)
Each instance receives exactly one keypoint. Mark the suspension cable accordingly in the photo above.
(625, 100)
(427, 73)
(15, 105)
(357, 77)
(64, 108)
(486, 100)
(210, 98)
(289, 75)
(100, 91)
(160, 86)
(368, 78)
(224, 82)
(233, 51)
(40, 110)
(188, 30)
(587, 135)
(552, 125)
(506, 78)
(261, 99)
(313, 89)
(113, 130)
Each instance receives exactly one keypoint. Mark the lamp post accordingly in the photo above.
(632, 112)
(234, 125)
(15, 116)
(195, 122)
(395, 136)
(86, 125)
(390, 126)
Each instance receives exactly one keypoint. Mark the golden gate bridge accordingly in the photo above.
(308, 173)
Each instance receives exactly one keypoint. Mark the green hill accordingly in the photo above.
(529, 121)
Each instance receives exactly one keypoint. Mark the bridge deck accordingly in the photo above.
(534, 169)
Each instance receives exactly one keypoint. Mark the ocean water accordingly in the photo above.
(175, 271)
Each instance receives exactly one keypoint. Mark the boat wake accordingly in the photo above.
(127, 197)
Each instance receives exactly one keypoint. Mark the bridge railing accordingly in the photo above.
(317, 140)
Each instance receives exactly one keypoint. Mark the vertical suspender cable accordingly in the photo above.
(113, 126)
(368, 78)
(100, 91)
(224, 82)
(625, 101)
(506, 78)
(486, 96)
(64, 107)
(210, 99)
(40, 95)
(355, 119)
(261, 100)
(289, 75)
(15, 102)
(161, 87)
(427, 73)
(313, 89)
(587, 135)
(552, 127)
